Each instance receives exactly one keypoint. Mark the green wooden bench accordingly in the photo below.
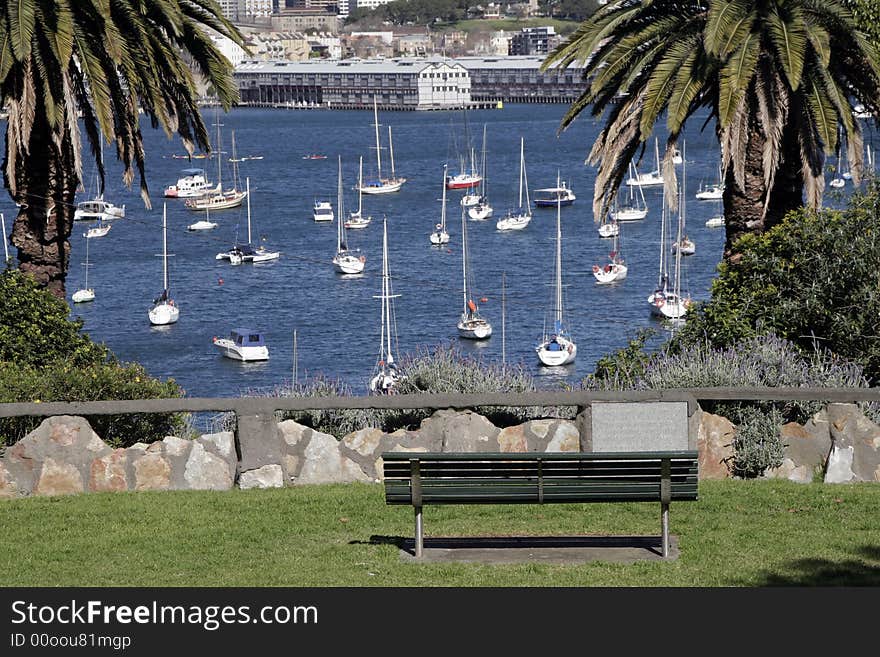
(420, 479)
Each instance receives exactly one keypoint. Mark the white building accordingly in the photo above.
(231, 50)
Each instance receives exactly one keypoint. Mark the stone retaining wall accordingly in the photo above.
(65, 456)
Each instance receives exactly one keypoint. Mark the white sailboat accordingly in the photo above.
(683, 245)
(636, 208)
(713, 191)
(471, 324)
(85, 293)
(558, 348)
(357, 219)
(482, 209)
(203, 224)
(346, 261)
(663, 302)
(98, 230)
(164, 310)
(385, 375)
(652, 178)
(609, 228)
(520, 217)
(240, 253)
(440, 236)
(220, 199)
(615, 269)
(380, 185)
(839, 179)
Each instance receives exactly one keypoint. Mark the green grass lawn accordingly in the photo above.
(739, 533)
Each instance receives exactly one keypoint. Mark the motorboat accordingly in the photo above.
(192, 184)
(322, 211)
(550, 197)
(98, 209)
(243, 344)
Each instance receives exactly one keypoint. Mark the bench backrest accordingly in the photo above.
(539, 478)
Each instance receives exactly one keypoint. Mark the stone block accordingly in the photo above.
(639, 426)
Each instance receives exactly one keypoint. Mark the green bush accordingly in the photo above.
(814, 280)
(90, 383)
(45, 357)
(35, 329)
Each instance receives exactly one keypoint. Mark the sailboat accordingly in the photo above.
(98, 230)
(381, 185)
(221, 199)
(481, 209)
(713, 191)
(203, 224)
(164, 310)
(240, 253)
(357, 219)
(558, 348)
(839, 179)
(465, 178)
(471, 325)
(440, 236)
(633, 210)
(652, 178)
(683, 244)
(520, 217)
(86, 293)
(345, 261)
(614, 270)
(385, 375)
(610, 227)
(663, 302)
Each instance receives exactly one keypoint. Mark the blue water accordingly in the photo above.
(337, 319)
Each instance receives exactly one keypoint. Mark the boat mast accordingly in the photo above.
(164, 247)
(464, 312)
(384, 296)
(443, 204)
(663, 220)
(525, 177)
(87, 260)
(483, 166)
(521, 169)
(5, 245)
(391, 152)
(219, 158)
(360, 183)
(248, 190)
(558, 259)
(378, 147)
(339, 221)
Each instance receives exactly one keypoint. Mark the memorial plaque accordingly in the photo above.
(639, 426)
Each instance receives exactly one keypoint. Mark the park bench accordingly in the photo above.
(426, 478)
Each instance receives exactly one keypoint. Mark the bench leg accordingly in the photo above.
(419, 534)
(664, 527)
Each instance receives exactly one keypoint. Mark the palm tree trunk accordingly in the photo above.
(47, 185)
(744, 207)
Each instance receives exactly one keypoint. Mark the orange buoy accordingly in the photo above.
(483, 299)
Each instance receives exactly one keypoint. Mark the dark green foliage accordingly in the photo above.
(35, 329)
(45, 357)
(814, 280)
(95, 382)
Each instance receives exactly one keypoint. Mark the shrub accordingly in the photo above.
(90, 383)
(35, 329)
(45, 356)
(813, 280)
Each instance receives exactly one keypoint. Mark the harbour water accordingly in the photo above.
(336, 318)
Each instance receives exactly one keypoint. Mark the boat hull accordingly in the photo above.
(629, 214)
(480, 212)
(81, 296)
(463, 182)
(609, 273)
(475, 330)
(164, 313)
(229, 349)
(223, 201)
(385, 187)
(550, 357)
(348, 264)
(513, 222)
(202, 225)
(439, 238)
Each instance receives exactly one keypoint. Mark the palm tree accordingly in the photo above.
(779, 77)
(103, 61)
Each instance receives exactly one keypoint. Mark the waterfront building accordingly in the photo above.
(407, 84)
(299, 20)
